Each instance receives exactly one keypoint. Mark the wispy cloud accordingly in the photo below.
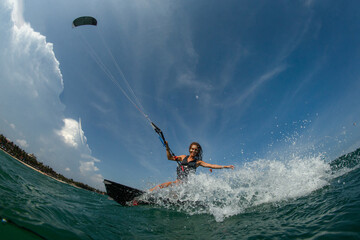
(259, 82)
(188, 79)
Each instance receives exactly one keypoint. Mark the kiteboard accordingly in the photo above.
(124, 195)
(128, 196)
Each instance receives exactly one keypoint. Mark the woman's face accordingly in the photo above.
(194, 150)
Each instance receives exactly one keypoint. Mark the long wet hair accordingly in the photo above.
(199, 153)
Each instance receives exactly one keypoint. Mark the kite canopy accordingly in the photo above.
(86, 20)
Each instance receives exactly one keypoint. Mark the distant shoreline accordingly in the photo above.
(30, 161)
(37, 170)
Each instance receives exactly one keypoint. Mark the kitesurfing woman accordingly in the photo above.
(188, 164)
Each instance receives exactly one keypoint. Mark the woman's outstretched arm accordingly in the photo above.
(214, 166)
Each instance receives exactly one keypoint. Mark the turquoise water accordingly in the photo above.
(303, 198)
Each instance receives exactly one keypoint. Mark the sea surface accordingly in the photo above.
(298, 198)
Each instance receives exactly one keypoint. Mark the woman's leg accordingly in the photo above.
(163, 185)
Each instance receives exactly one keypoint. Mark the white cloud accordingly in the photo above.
(86, 167)
(30, 108)
(22, 143)
(71, 133)
(88, 170)
(17, 13)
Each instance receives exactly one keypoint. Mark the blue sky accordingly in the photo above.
(246, 79)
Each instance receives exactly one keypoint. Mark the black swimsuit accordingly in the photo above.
(185, 168)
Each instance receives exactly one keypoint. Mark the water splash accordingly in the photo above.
(233, 192)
